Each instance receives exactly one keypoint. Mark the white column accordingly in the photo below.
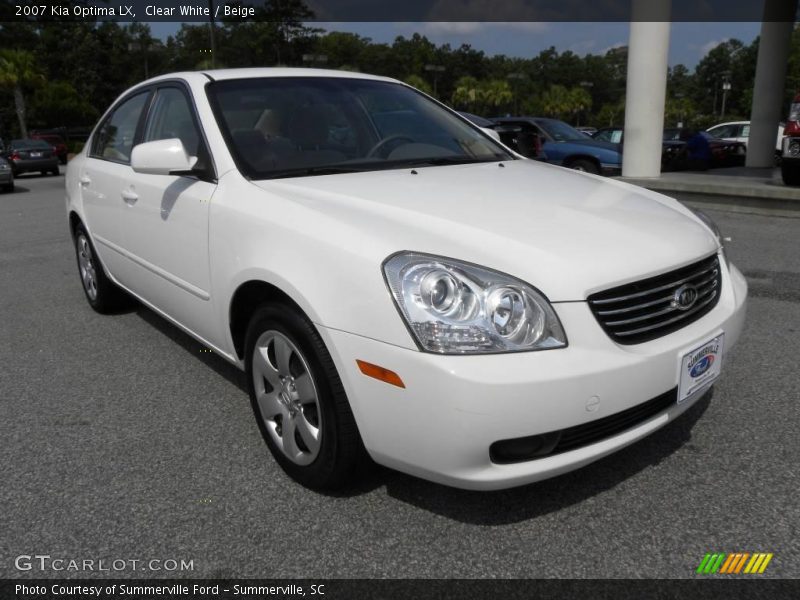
(768, 109)
(648, 51)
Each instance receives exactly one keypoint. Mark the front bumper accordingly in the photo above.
(6, 176)
(441, 426)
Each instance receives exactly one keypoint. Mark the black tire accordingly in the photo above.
(56, 172)
(585, 165)
(9, 188)
(107, 297)
(341, 453)
(790, 173)
(62, 160)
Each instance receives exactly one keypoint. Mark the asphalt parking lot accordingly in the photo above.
(122, 439)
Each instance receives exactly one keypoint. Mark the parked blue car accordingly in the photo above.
(561, 144)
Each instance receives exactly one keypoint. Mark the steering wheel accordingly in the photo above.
(387, 140)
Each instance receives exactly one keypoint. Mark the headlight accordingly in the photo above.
(453, 307)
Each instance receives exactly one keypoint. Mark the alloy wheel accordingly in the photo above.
(287, 397)
(87, 268)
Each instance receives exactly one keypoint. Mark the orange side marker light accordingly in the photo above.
(380, 373)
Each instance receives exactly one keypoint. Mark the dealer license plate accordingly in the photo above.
(700, 367)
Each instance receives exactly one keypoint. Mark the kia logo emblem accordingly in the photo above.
(684, 297)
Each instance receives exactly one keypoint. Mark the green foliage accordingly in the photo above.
(419, 83)
(88, 64)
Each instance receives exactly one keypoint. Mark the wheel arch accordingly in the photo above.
(74, 221)
(248, 296)
(569, 160)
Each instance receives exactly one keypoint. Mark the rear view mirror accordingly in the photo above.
(162, 157)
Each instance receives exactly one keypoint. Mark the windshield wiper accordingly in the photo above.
(447, 160)
(324, 170)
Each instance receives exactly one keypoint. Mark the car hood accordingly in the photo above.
(567, 233)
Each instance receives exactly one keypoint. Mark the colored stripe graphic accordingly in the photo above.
(733, 563)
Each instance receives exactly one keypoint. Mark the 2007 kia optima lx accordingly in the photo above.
(395, 282)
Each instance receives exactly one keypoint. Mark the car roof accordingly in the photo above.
(256, 72)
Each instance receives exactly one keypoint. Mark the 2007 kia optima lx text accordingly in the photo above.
(396, 283)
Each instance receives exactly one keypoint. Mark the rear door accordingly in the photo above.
(105, 176)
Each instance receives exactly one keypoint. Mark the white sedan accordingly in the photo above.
(397, 284)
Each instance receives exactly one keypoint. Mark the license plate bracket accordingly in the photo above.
(700, 367)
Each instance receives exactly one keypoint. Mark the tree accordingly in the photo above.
(556, 101)
(18, 70)
(467, 93)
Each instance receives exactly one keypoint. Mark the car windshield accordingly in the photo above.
(295, 126)
(30, 145)
(560, 131)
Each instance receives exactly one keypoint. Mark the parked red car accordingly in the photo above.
(790, 157)
(56, 141)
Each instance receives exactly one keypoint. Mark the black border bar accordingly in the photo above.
(706, 587)
(406, 10)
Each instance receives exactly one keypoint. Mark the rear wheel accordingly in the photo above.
(587, 166)
(298, 399)
(102, 294)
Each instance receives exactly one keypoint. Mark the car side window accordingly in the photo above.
(171, 117)
(745, 131)
(115, 138)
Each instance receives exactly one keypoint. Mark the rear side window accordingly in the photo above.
(172, 117)
(115, 138)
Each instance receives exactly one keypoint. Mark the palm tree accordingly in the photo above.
(497, 93)
(556, 101)
(18, 69)
(467, 92)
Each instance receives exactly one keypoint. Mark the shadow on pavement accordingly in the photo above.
(195, 348)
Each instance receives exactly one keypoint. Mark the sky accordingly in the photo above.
(689, 43)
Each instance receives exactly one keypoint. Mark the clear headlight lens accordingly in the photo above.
(457, 308)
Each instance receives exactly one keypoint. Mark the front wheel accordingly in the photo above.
(298, 399)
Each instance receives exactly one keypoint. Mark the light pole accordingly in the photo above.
(726, 87)
(435, 69)
(516, 78)
(587, 85)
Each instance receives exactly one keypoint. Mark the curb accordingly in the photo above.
(768, 190)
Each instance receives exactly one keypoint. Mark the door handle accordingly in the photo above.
(129, 196)
(85, 180)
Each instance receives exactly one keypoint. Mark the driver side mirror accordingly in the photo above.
(162, 157)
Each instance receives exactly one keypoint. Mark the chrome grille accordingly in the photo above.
(648, 309)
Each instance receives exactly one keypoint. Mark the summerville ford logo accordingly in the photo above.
(701, 362)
